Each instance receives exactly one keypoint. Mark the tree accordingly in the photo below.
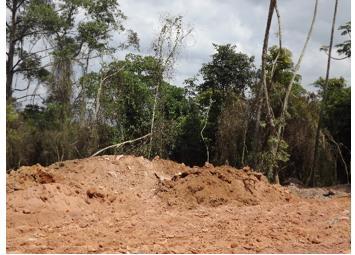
(27, 23)
(337, 122)
(225, 79)
(275, 139)
(320, 118)
(166, 48)
(229, 71)
(262, 92)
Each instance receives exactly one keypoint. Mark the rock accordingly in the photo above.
(111, 198)
(43, 198)
(258, 175)
(118, 157)
(83, 225)
(208, 165)
(93, 193)
(234, 245)
(246, 169)
(329, 193)
(25, 211)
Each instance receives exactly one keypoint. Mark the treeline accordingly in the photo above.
(219, 115)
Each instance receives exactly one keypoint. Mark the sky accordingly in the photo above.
(242, 22)
(238, 22)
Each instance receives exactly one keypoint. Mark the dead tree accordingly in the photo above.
(325, 93)
(166, 48)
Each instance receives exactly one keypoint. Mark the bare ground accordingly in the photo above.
(126, 204)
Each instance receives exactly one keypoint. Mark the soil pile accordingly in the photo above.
(215, 186)
(127, 204)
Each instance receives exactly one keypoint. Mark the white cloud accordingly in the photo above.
(241, 23)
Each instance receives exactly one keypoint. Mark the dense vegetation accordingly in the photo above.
(219, 116)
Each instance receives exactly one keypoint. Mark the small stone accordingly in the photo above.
(246, 169)
(43, 198)
(25, 211)
(209, 165)
(118, 157)
(111, 198)
(83, 225)
(234, 245)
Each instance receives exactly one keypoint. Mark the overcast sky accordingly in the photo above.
(242, 22)
(239, 22)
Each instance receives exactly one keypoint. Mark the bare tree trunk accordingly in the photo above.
(325, 95)
(282, 119)
(270, 114)
(280, 43)
(262, 92)
(259, 103)
(153, 118)
(82, 94)
(11, 52)
(245, 134)
(204, 126)
(166, 48)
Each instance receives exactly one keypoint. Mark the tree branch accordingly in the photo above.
(120, 144)
(340, 154)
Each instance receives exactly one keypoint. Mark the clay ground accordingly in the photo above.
(126, 204)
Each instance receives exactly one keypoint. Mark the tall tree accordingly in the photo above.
(166, 48)
(26, 24)
(226, 78)
(262, 93)
(276, 138)
(320, 118)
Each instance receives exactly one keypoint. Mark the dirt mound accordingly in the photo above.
(211, 186)
(127, 204)
(26, 177)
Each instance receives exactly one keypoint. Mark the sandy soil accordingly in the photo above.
(126, 204)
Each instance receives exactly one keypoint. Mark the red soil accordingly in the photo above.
(121, 204)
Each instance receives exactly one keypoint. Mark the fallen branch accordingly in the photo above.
(120, 144)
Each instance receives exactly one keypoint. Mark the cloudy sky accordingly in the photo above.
(242, 22)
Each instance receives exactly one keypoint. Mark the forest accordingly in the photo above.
(232, 112)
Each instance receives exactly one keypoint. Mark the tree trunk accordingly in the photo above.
(11, 52)
(262, 92)
(258, 102)
(278, 135)
(263, 63)
(325, 95)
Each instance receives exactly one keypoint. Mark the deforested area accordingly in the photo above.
(178, 126)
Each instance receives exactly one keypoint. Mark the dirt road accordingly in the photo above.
(126, 204)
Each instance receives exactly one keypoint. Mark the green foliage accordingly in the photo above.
(228, 71)
(344, 48)
(271, 159)
(337, 118)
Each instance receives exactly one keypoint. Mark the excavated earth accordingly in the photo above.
(127, 204)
